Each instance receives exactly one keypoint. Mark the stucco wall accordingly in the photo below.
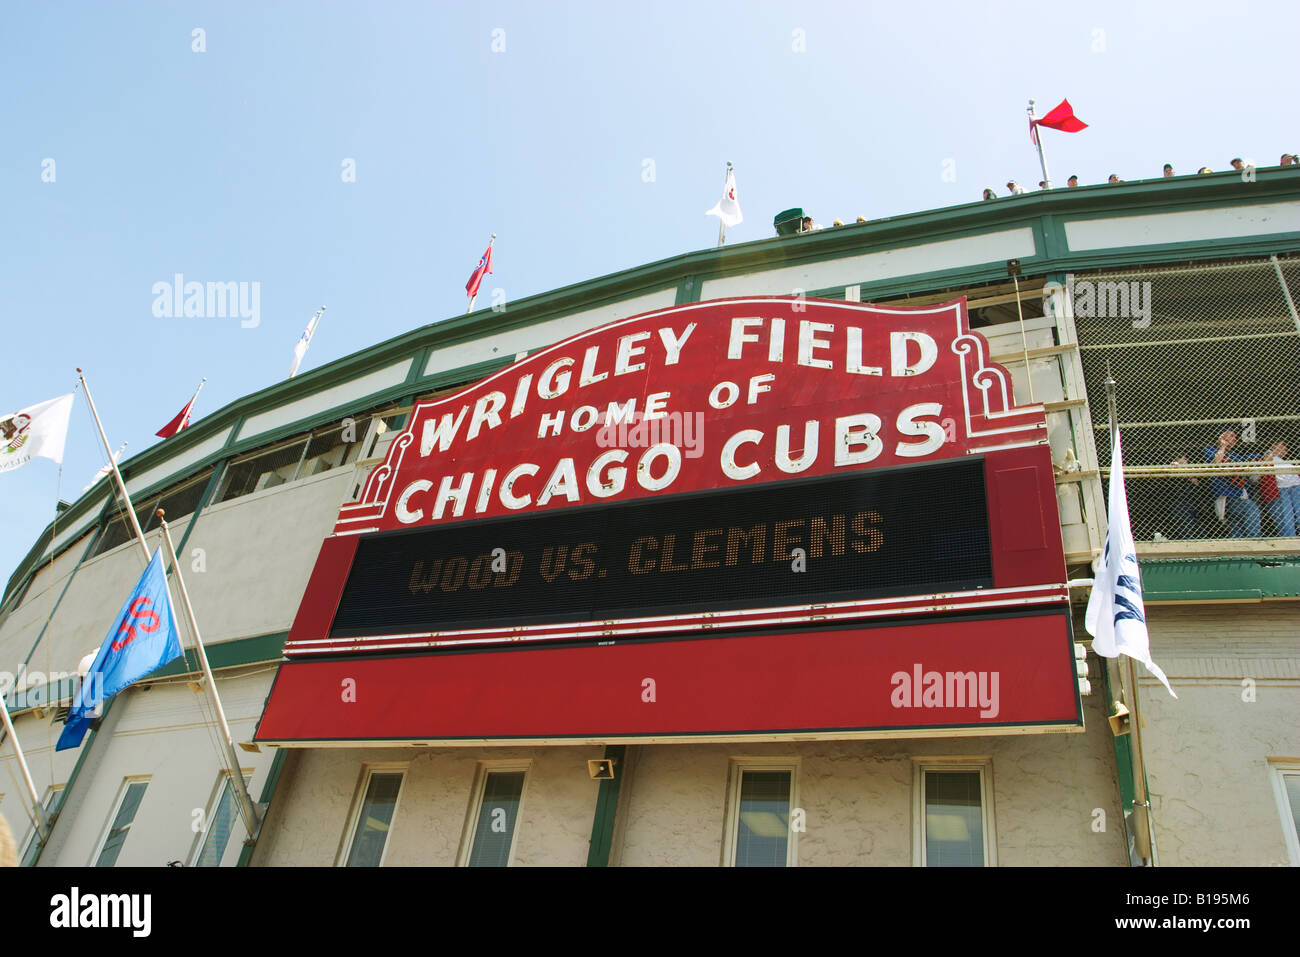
(309, 818)
(1207, 752)
(858, 798)
(160, 733)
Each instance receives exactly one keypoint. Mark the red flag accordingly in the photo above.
(182, 417)
(484, 267)
(1060, 118)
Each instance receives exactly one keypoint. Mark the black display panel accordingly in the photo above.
(902, 531)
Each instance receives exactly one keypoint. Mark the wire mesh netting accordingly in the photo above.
(1206, 359)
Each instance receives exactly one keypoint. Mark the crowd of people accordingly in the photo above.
(1237, 163)
(1235, 505)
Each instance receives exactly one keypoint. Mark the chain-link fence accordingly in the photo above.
(1206, 360)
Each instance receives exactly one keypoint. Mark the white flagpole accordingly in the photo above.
(252, 819)
(722, 225)
(196, 394)
(1038, 141)
(1144, 827)
(42, 828)
(117, 475)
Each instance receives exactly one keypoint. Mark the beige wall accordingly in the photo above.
(309, 817)
(1207, 752)
(159, 732)
(857, 796)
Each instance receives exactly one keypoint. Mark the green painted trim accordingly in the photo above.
(1123, 766)
(227, 654)
(268, 794)
(217, 471)
(418, 362)
(94, 536)
(688, 290)
(1220, 579)
(602, 823)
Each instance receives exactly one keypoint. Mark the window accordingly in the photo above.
(1286, 788)
(221, 819)
(28, 856)
(953, 818)
(495, 812)
(120, 822)
(176, 502)
(761, 800)
(318, 451)
(263, 469)
(373, 817)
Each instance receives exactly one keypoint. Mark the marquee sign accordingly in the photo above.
(718, 465)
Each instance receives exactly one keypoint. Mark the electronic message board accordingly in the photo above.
(862, 535)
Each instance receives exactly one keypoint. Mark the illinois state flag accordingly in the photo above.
(41, 429)
(143, 639)
(1116, 617)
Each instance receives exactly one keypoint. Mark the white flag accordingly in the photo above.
(728, 208)
(300, 347)
(106, 469)
(38, 430)
(1116, 617)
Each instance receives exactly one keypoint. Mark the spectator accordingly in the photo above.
(1232, 502)
(837, 221)
(1184, 497)
(1289, 159)
(861, 219)
(1205, 169)
(1014, 188)
(1073, 180)
(1042, 184)
(1169, 171)
(989, 193)
(1113, 178)
(1237, 164)
(1281, 493)
(807, 226)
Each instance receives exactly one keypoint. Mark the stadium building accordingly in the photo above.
(708, 562)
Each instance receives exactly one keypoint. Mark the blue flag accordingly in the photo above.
(143, 639)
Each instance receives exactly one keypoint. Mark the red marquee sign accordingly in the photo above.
(730, 397)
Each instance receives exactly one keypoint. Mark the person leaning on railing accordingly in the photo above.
(1231, 496)
(1280, 492)
(1185, 500)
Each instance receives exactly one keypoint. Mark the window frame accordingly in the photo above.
(368, 771)
(1279, 771)
(122, 792)
(224, 780)
(47, 802)
(731, 826)
(479, 788)
(981, 763)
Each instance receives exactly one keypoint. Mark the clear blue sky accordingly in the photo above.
(226, 165)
